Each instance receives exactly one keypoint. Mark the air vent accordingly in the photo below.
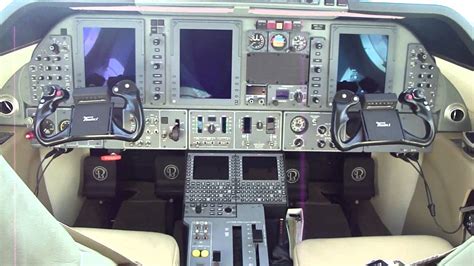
(8, 105)
(455, 113)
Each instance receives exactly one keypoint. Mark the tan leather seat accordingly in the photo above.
(147, 248)
(363, 250)
(30, 235)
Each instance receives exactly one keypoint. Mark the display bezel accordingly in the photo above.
(177, 26)
(191, 161)
(279, 165)
(337, 30)
(138, 25)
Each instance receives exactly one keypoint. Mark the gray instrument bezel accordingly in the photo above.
(337, 30)
(236, 28)
(137, 24)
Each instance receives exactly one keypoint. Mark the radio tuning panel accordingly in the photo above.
(211, 130)
(287, 95)
(258, 130)
(51, 65)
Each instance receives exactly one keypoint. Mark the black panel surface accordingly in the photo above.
(277, 68)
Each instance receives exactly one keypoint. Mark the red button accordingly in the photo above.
(111, 157)
(59, 93)
(409, 97)
(271, 24)
(288, 25)
(30, 135)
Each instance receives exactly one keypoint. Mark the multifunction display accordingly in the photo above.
(260, 168)
(211, 168)
(362, 64)
(205, 64)
(109, 55)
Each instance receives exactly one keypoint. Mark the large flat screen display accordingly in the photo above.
(109, 55)
(362, 64)
(205, 64)
(260, 168)
(211, 168)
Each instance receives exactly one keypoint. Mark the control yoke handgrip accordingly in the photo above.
(47, 106)
(345, 99)
(126, 90)
(416, 100)
(130, 93)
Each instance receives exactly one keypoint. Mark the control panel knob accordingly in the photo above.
(321, 144)
(422, 57)
(228, 209)
(198, 209)
(211, 129)
(54, 48)
(319, 45)
(316, 100)
(156, 66)
(298, 142)
(317, 69)
(259, 125)
(174, 134)
(322, 130)
(298, 96)
(6, 107)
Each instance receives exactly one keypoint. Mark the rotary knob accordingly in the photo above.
(298, 96)
(211, 129)
(54, 48)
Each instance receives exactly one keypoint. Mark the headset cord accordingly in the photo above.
(55, 153)
(431, 205)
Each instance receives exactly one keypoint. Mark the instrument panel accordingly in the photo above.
(218, 83)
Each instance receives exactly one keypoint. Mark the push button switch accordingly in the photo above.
(204, 253)
(196, 253)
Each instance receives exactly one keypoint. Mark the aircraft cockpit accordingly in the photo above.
(245, 133)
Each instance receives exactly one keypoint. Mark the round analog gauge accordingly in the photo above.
(257, 41)
(278, 41)
(299, 42)
(64, 124)
(299, 125)
(47, 127)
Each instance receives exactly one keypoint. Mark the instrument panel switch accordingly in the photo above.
(205, 253)
(270, 125)
(216, 256)
(196, 253)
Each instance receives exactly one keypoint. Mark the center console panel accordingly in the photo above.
(225, 202)
(237, 240)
